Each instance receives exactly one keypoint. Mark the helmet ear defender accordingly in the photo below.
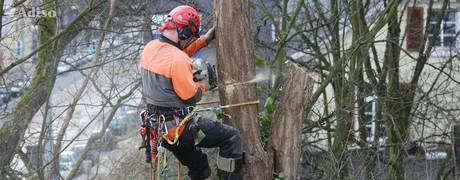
(187, 32)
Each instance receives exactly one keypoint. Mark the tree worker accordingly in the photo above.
(169, 92)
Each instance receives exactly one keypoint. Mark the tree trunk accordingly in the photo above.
(235, 56)
(286, 127)
(12, 132)
(342, 99)
(396, 122)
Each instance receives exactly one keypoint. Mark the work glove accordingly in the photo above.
(210, 35)
(203, 88)
(197, 77)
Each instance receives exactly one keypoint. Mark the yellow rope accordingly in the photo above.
(182, 123)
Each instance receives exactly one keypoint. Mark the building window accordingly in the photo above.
(370, 116)
(372, 127)
(447, 32)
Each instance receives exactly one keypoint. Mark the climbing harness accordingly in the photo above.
(155, 129)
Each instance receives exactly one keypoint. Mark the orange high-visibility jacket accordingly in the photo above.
(167, 76)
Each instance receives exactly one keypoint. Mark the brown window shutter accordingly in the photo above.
(414, 28)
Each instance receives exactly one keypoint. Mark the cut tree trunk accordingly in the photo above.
(286, 127)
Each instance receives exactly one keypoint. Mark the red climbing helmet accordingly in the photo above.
(186, 19)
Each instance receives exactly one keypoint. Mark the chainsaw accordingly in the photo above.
(210, 74)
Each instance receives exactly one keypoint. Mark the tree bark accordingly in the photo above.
(235, 57)
(286, 127)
